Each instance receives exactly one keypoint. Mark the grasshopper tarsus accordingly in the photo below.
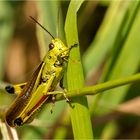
(74, 45)
(10, 89)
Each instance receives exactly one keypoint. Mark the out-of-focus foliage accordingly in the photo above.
(109, 40)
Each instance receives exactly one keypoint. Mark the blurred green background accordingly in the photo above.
(109, 36)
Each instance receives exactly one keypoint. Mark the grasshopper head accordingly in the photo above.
(58, 48)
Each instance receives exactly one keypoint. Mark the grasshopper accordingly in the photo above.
(35, 92)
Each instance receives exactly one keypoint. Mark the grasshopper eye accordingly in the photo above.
(51, 46)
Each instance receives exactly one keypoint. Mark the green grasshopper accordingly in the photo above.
(44, 80)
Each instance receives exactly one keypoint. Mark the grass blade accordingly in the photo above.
(80, 116)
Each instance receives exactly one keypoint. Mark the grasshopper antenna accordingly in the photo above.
(42, 27)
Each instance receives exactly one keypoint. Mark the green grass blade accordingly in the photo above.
(106, 35)
(80, 116)
(126, 64)
(122, 36)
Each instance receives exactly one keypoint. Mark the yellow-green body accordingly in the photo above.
(44, 80)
